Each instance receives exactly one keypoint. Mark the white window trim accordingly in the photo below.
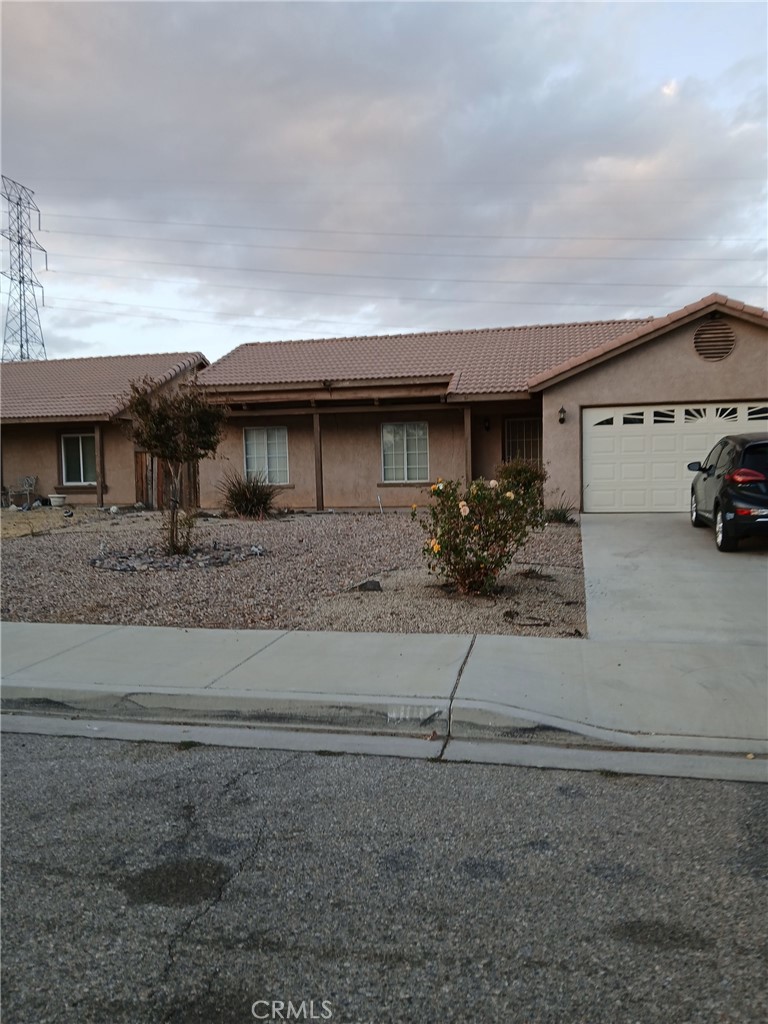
(403, 423)
(81, 482)
(287, 455)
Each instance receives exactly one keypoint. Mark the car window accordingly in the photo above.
(711, 459)
(756, 457)
(725, 456)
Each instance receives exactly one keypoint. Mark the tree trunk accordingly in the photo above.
(173, 518)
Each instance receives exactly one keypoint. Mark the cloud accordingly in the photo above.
(336, 168)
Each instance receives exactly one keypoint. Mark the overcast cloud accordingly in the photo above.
(229, 172)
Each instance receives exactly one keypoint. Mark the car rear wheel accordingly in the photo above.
(724, 538)
(696, 519)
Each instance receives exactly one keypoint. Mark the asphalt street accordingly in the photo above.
(166, 883)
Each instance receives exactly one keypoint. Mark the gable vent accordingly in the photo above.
(714, 340)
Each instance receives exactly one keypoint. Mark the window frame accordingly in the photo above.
(405, 424)
(81, 482)
(527, 433)
(275, 483)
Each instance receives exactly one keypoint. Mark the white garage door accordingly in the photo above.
(635, 457)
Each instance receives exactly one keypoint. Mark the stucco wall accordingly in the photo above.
(665, 370)
(29, 449)
(230, 455)
(351, 446)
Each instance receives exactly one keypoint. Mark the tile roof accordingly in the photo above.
(93, 387)
(646, 329)
(483, 361)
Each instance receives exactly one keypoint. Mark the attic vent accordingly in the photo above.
(714, 340)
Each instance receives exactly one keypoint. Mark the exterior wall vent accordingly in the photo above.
(714, 340)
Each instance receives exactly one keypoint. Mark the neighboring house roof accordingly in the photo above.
(484, 361)
(93, 388)
(644, 332)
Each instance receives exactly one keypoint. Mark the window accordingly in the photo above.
(663, 415)
(78, 458)
(633, 418)
(711, 459)
(522, 439)
(404, 452)
(266, 453)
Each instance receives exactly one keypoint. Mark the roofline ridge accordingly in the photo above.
(431, 334)
(186, 355)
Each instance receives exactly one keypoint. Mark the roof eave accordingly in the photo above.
(655, 329)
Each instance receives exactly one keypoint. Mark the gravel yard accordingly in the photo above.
(307, 578)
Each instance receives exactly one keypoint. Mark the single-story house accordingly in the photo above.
(614, 409)
(64, 422)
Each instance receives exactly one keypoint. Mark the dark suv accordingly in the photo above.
(730, 489)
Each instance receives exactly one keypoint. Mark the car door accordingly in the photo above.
(714, 483)
(705, 497)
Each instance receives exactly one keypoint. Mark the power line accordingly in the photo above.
(424, 203)
(230, 182)
(181, 309)
(357, 295)
(184, 320)
(402, 234)
(392, 252)
(395, 277)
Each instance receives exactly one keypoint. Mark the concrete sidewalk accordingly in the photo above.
(676, 661)
(693, 697)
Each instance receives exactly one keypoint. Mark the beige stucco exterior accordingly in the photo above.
(351, 453)
(34, 449)
(666, 369)
(351, 457)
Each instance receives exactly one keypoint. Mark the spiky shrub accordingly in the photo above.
(473, 532)
(561, 512)
(251, 497)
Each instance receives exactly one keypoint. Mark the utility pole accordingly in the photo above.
(23, 336)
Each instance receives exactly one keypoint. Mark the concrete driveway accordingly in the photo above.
(655, 578)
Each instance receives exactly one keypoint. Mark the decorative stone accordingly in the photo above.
(150, 559)
(370, 585)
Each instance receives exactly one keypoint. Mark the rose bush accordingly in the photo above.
(473, 532)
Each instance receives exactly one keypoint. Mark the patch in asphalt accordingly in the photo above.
(661, 935)
(176, 883)
(483, 869)
(614, 872)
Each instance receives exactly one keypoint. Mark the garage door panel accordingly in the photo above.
(632, 472)
(605, 445)
(605, 473)
(633, 445)
(664, 444)
(635, 457)
(663, 471)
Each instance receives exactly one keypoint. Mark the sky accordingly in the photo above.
(215, 173)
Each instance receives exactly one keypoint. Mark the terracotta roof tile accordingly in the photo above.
(484, 361)
(96, 386)
(644, 329)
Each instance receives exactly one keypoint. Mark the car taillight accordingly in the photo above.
(745, 476)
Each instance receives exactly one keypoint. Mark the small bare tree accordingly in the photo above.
(179, 428)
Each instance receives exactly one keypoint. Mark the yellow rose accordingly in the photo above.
(493, 483)
(509, 494)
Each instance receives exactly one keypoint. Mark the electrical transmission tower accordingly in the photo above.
(23, 336)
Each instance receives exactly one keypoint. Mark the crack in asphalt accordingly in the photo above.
(192, 823)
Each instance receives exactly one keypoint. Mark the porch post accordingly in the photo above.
(319, 505)
(99, 465)
(468, 443)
